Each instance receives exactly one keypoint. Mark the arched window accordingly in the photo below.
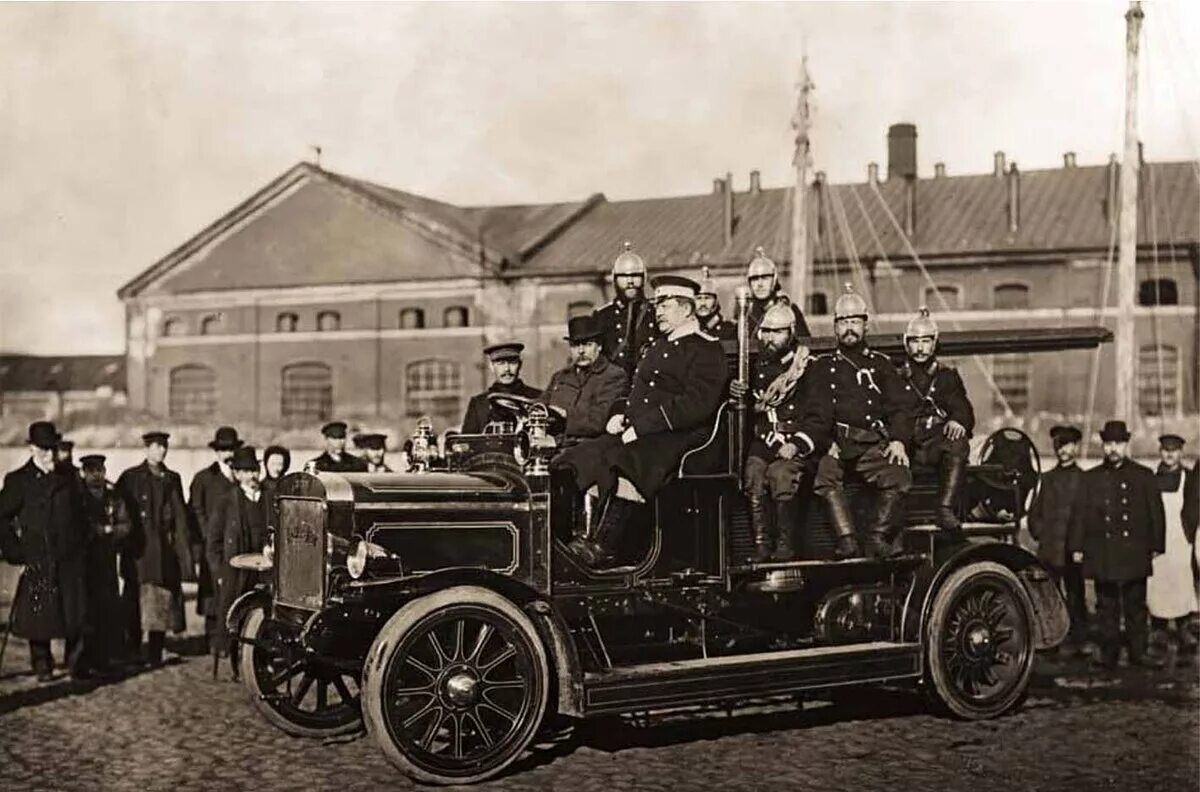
(172, 326)
(434, 388)
(580, 308)
(412, 319)
(1158, 378)
(1158, 291)
(1010, 296)
(933, 297)
(456, 316)
(818, 304)
(306, 393)
(1011, 373)
(210, 325)
(329, 321)
(192, 393)
(286, 322)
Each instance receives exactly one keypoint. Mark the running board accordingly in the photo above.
(704, 680)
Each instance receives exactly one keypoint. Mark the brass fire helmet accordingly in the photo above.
(850, 305)
(628, 263)
(779, 317)
(707, 284)
(761, 265)
(921, 326)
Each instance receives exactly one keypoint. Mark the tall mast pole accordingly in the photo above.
(1126, 350)
(801, 162)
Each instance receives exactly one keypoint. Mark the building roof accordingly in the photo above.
(66, 373)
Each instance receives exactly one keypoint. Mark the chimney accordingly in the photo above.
(902, 151)
(939, 170)
(727, 209)
(819, 190)
(1069, 159)
(718, 186)
(1014, 199)
(998, 164)
(910, 206)
(873, 172)
(1111, 184)
(755, 181)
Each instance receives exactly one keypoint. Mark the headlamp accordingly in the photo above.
(362, 553)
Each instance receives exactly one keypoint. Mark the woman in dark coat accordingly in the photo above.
(108, 520)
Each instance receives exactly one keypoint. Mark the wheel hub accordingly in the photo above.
(461, 688)
(979, 640)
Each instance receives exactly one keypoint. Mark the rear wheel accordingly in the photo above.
(455, 686)
(979, 642)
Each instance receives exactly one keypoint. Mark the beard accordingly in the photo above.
(849, 339)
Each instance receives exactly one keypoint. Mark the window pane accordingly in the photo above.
(192, 393)
(935, 295)
(172, 327)
(286, 323)
(456, 316)
(210, 325)
(412, 319)
(1010, 296)
(1158, 291)
(329, 320)
(306, 393)
(1011, 373)
(818, 304)
(434, 388)
(1158, 380)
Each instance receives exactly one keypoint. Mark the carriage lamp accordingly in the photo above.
(364, 554)
(422, 446)
(268, 550)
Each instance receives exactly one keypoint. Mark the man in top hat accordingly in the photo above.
(237, 525)
(708, 311)
(109, 521)
(1116, 529)
(1049, 519)
(1171, 590)
(157, 557)
(944, 416)
(872, 422)
(677, 387)
(585, 391)
(374, 449)
(627, 324)
(765, 290)
(209, 486)
(43, 527)
(335, 458)
(487, 407)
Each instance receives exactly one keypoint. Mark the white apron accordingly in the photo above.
(1171, 591)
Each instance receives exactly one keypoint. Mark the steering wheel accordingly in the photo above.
(519, 407)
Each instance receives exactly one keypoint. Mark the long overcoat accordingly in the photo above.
(109, 522)
(159, 537)
(209, 487)
(236, 525)
(1050, 513)
(43, 525)
(587, 395)
(1117, 521)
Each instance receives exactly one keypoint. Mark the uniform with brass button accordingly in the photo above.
(627, 325)
(708, 310)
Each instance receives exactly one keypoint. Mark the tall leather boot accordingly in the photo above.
(760, 524)
(878, 542)
(154, 648)
(843, 525)
(599, 552)
(787, 530)
(952, 474)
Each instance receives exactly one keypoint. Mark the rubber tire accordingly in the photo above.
(250, 626)
(380, 658)
(937, 681)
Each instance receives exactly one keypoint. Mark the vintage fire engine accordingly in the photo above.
(440, 608)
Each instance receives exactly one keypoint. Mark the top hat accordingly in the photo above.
(674, 286)
(583, 328)
(43, 435)
(225, 439)
(334, 429)
(1061, 435)
(92, 461)
(1114, 431)
(156, 437)
(509, 350)
(244, 458)
(371, 440)
(1170, 441)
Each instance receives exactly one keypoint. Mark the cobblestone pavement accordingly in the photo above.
(177, 729)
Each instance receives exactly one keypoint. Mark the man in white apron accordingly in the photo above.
(1171, 590)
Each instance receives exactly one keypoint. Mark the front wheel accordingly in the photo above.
(455, 686)
(979, 642)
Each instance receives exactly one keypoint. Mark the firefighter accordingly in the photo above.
(708, 311)
(627, 323)
(944, 418)
(765, 290)
(484, 408)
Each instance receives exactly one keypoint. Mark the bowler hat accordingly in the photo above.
(583, 328)
(509, 350)
(334, 429)
(156, 437)
(43, 435)
(244, 458)
(92, 461)
(1114, 431)
(225, 439)
(1170, 441)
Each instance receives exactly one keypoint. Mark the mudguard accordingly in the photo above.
(259, 597)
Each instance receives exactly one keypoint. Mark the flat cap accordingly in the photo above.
(509, 350)
(674, 286)
(371, 440)
(92, 461)
(1170, 441)
(334, 429)
(156, 436)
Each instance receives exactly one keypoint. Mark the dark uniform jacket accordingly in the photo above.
(1189, 515)
(758, 309)
(869, 401)
(1117, 521)
(1050, 513)
(628, 327)
(940, 395)
(719, 327)
(159, 538)
(43, 525)
(236, 525)
(481, 410)
(105, 509)
(799, 418)
(587, 395)
(349, 463)
(209, 486)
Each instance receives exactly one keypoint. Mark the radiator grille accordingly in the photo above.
(300, 553)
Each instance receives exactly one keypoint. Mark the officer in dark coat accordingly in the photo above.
(109, 521)
(676, 390)
(872, 423)
(765, 290)
(1117, 527)
(487, 407)
(209, 486)
(159, 545)
(374, 450)
(43, 526)
(708, 311)
(627, 323)
(789, 434)
(944, 417)
(1049, 521)
(335, 459)
(585, 391)
(237, 525)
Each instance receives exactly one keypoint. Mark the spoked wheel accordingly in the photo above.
(455, 686)
(296, 695)
(980, 641)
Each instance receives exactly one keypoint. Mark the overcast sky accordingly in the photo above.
(127, 128)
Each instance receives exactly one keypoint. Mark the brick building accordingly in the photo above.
(323, 294)
(37, 387)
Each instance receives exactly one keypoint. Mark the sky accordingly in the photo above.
(126, 128)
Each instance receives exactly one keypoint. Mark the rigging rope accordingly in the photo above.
(862, 208)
